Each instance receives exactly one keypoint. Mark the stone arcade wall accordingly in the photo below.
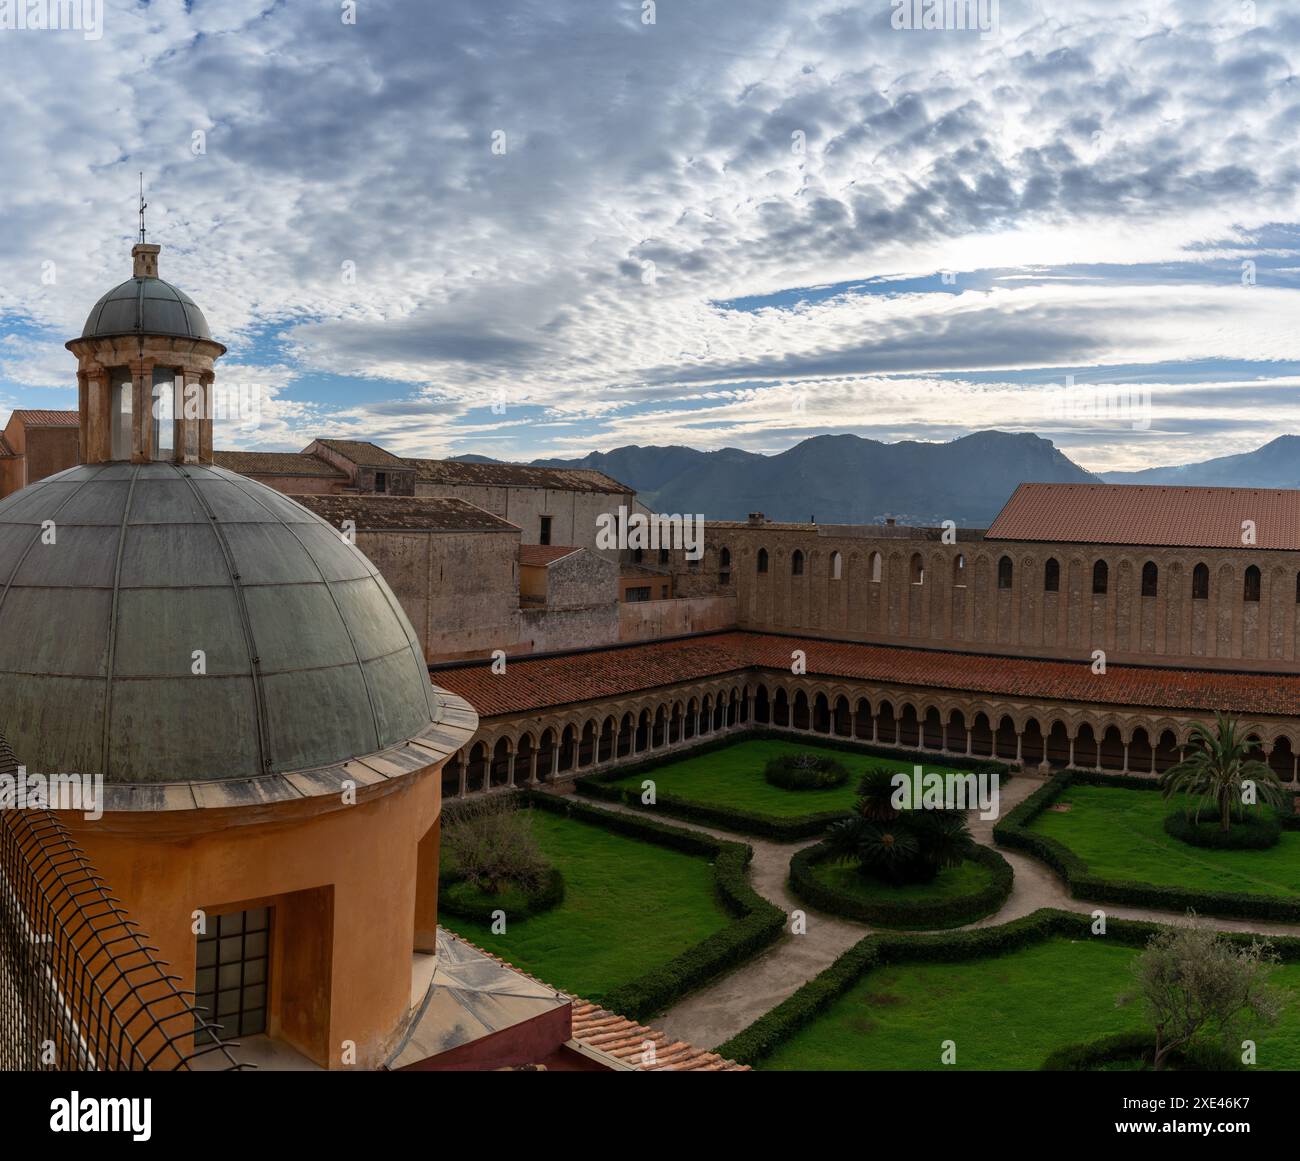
(910, 590)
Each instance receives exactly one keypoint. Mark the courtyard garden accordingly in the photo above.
(999, 999)
(645, 911)
(725, 785)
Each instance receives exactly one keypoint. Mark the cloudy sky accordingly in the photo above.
(544, 227)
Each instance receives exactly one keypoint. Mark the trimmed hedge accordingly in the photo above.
(457, 897)
(888, 913)
(791, 772)
(1013, 832)
(756, 924)
(1130, 1046)
(771, 1030)
(1253, 832)
(749, 822)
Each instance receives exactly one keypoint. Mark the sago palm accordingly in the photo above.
(1217, 768)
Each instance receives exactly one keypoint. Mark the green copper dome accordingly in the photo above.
(146, 306)
(176, 623)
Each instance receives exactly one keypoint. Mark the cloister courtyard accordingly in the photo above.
(699, 897)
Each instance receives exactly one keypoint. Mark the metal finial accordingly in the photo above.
(144, 205)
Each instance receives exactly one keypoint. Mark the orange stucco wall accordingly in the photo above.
(164, 866)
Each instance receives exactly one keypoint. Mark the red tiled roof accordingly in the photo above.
(540, 555)
(6, 452)
(532, 684)
(47, 418)
(1150, 515)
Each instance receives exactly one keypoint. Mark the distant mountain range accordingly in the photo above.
(845, 479)
(1275, 465)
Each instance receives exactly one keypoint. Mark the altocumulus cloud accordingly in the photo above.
(331, 195)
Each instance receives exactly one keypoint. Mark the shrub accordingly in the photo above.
(459, 897)
(1133, 1047)
(902, 913)
(805, 772)
(1250, 832)
(489, 844)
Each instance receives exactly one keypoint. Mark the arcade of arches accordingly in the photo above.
(569, 740)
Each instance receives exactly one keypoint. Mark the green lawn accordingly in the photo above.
(1004, 1013)
(629, 907)
(950, 883)
(733, 777)
(1120, 835)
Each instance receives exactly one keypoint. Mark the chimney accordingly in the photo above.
(144, 256)
(757, 518)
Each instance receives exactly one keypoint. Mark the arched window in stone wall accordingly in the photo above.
(1004, 573)
(875, 567)
(1201, 583)
(724, 566)
(1150, 579)
(762, 560)
(1250, 587)
(796, 562)
(916, 569)
(959, 571)
(1052, 575)
(837, 566)
(1100, 577)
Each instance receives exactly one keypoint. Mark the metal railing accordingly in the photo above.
(81, 988)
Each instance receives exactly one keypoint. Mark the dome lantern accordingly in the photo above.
(145, 372)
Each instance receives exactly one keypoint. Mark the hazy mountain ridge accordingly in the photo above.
(848, 479)
(840, 478)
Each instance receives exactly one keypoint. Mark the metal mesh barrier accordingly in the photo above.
(80, 986)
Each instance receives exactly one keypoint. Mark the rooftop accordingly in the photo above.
(461, 472)
(405, 513)
(256, 463)
(542, 555)
(37, 418)
(1150, 515)
(532, 684)
(362, 452)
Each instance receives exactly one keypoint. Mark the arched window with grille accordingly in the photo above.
(1150, 579)
(1100, 577)
(1250, 586)
(1201, 583)
(1052, 575)
(1005, 572)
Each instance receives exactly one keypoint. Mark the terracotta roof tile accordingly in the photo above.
(34, 418)
(255, 463)
(1149, 515)
(462, 472)
(405, 513)
(363, 452)
(532, 684)
(6, 451)
(540, 555)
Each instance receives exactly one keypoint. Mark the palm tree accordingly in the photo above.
(1218, 767)
(876, 795)
(892, 852)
